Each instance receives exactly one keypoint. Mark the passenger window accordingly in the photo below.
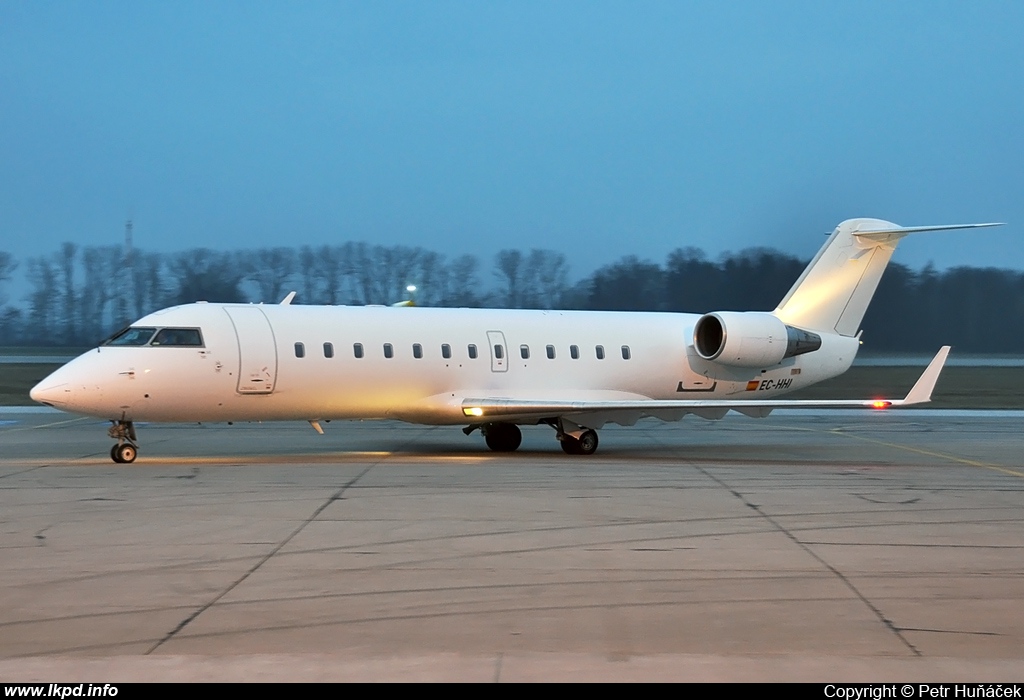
(132, 336)
(472, 351)
(446, 351)
(389, 351)
(300, 350)
(357, 350)
(574, 352)
(499, 352)
(328, 350)
(524, 351)
(551, 352)
(417, 351)
(600, 352)
(625, 352)
(180, 337)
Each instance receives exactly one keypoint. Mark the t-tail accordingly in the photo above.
(833, 293)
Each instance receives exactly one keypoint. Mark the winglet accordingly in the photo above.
(288, 299)
(922, 390)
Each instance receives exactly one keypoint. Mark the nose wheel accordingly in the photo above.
(126, 449)
(124, 454)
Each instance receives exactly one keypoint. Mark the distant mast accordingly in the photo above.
(128, 296)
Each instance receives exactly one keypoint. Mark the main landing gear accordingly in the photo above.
(506, 437)
(575, 439)
(127, 448)
(502, 437)
(585, 444)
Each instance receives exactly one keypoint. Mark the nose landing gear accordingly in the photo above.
(126, 449)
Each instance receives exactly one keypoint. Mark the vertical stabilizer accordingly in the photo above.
(833, 293)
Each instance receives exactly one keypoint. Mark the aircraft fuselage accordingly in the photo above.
(294, 362)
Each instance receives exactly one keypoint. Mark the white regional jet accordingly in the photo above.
(492, 370)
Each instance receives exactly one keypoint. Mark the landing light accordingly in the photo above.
(475, 411)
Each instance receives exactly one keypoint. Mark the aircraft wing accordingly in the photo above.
(482, 409)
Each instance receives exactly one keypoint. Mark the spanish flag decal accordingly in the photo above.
(753, 384)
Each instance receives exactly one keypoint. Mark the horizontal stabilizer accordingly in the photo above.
(895, 233)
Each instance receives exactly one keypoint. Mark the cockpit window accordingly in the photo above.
(190, 337)
(131, 336)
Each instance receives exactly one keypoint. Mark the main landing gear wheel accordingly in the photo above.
(503, 437)
(124, 454)
(586, 444)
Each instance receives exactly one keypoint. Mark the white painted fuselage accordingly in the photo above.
(249, 368)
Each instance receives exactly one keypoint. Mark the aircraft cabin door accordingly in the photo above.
(257, 351)
(499, 351)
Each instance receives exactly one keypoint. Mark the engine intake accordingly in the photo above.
(750, 339)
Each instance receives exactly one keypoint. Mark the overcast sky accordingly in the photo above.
(598, 129)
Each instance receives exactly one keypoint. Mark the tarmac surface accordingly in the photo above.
(830, 547)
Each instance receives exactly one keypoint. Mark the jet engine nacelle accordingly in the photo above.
(750, 339)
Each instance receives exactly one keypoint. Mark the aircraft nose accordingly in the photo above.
(50, 394)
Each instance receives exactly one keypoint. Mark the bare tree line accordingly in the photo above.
(80, 295)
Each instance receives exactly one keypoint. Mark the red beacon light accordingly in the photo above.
(881, 404)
